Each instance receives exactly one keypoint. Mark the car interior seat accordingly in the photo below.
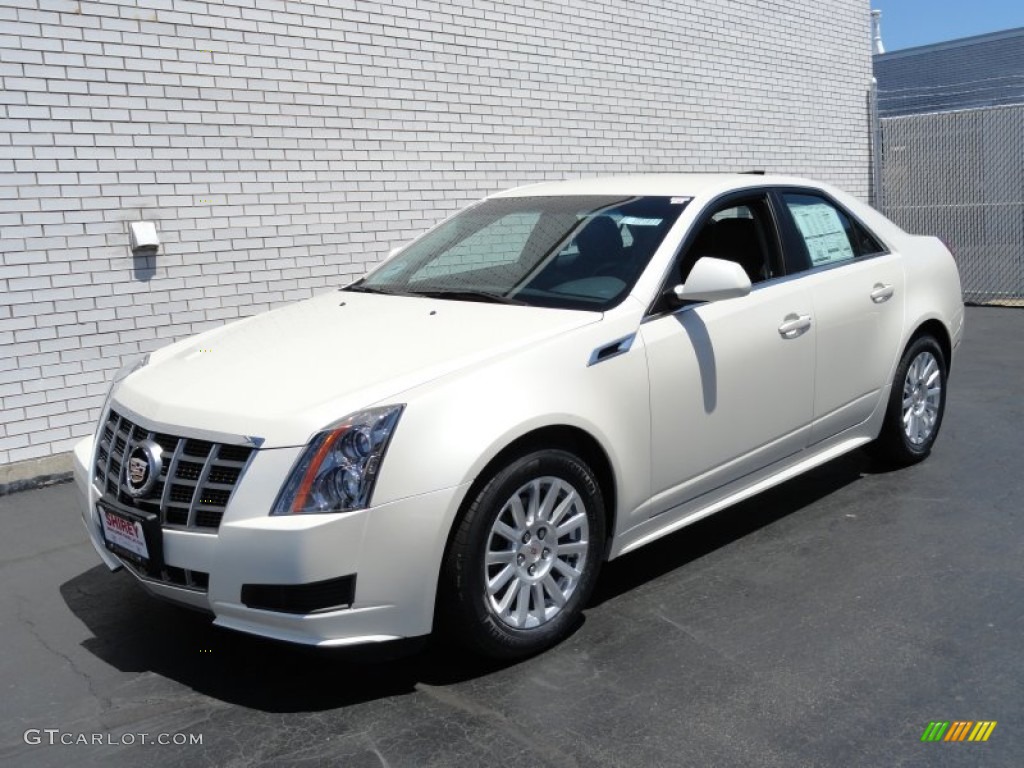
(600, 241)
(737, 240)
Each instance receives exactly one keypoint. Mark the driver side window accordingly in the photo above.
(740, 231)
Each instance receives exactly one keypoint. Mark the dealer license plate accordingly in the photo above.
(124, 534)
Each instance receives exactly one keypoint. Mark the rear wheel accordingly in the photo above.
(525, 556)
(917, 403)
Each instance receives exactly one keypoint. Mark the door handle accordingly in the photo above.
(794, 325)
(882, 293)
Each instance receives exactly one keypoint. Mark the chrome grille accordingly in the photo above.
(196, 480)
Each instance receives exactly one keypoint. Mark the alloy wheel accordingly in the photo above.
(922, 397)
(536, 552)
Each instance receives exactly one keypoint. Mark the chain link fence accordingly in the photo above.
(960, 176)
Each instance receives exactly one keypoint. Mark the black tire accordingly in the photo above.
(466, 613)
(894, 447)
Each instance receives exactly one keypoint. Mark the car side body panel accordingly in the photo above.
(471, 418)
(858, 340)
(933, 280)
(936, 294)
(729, 393)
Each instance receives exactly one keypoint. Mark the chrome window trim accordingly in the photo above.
(772, 282)
(770, 192)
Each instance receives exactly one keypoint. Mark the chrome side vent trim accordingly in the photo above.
(612, 349)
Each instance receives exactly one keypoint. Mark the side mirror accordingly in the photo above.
(713, 279)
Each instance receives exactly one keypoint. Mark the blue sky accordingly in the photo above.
(906, 23)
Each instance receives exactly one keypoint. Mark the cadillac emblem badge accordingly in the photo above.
(142, 469)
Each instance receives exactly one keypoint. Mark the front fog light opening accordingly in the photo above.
(337, 470)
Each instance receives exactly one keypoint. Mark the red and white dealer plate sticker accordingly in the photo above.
(124, 533)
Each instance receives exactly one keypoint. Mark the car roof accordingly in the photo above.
(657, 184)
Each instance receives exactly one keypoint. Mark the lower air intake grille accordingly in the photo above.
(178, 577)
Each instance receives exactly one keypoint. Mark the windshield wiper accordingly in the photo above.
(358, 288)
(461, 295)
(486, 296)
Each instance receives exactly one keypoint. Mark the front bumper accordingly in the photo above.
(393, 550)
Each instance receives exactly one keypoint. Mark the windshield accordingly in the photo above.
(569, 252)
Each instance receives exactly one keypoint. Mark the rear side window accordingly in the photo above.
(829, 234)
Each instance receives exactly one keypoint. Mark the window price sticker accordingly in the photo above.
(823, 232)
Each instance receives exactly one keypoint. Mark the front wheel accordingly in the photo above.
(525, 556)
(917, 403)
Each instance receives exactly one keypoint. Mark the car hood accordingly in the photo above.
(283, 375)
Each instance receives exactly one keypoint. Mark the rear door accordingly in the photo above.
(857, 289)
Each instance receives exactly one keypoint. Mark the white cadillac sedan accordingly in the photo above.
(551, 378)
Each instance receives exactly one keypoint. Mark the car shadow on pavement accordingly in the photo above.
(730, 524)
(136, 633)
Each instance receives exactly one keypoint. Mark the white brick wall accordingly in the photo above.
(283, 146)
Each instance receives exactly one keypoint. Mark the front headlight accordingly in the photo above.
(337, 470)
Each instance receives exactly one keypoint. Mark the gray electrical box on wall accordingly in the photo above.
(144, 238)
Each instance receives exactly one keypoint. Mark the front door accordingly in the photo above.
(732, 381)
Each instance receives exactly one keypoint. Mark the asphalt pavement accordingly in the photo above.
(824, 623)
